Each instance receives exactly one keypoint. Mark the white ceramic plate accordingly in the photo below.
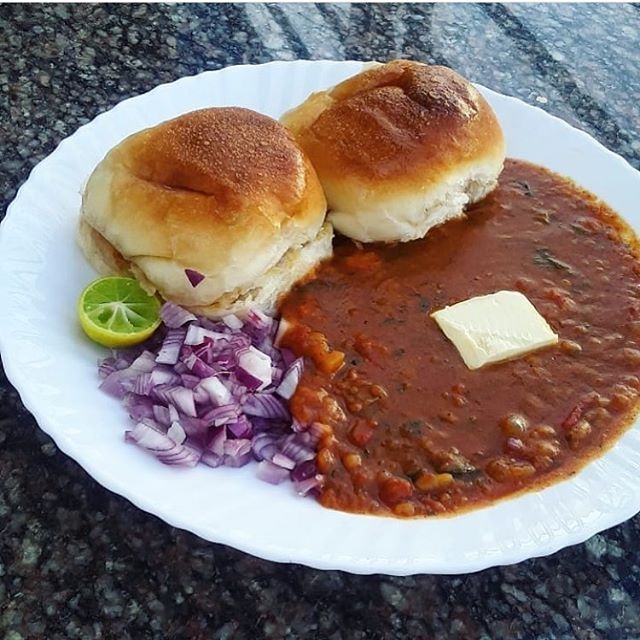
(53, 366)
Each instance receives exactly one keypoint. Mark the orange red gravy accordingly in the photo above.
(409, 429)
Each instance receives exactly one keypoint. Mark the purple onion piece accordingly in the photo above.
(295, 445)
(161, 415)
(119, 383)
(151, 438)
(304, 470)
(193, 426)
(283, 461)
(289, 383)
(164, 375)
(254, 368)
(199, 367)
(241, 427)
(194, 277)
(264, 446)
(143, 385)
(196, 335)
(177, 433)
(139, 407)
(237, 461)
(170, 350)
(211, 459)
(258, 325)
(106, 366)
(269, 472)
(233, 322)
(221, 415)
(215, 392)
(144, 363)
(174, 316)
(309, 485)
(216, 444)
(182, 399)
(266, 405)
(190, 381)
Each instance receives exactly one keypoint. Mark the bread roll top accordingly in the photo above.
(396, 135)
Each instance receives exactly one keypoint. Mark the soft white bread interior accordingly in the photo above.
(399, 148)
(263, 293)
(225, 192)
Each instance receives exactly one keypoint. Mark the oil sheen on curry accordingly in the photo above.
(408, 429)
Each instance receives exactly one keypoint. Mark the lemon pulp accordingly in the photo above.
(117, 312)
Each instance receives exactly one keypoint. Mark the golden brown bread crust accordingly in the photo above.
(224, 191)
(394, 121)
(233, 155)
(396, 133)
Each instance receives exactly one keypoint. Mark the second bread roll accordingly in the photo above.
(399, 148)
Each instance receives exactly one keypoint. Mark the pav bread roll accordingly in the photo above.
(216, 210)
(399, 148)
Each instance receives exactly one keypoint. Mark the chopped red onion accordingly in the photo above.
(264, 446)
(177, 433)
(283, 461)
(194, 277)
(304, 470)
(194, 427)
(144, 363)
(237, 447)
(310, 484)
(241, 428)
(161, 415)
(237, 461)
(164, 375)
(174, 316)
(298, 427)
(162, 446)
(290, 380)
(170, 350)
(271, 473)
(255, 368)
(257, 324)
(198, 367)
(216, 393)
(211, 459)
(233, 322)
(182, 399)
(190, 381)
(297, 452)
(216, 444)
(205, 350)
(196, 335)
(237, 453)
(142, 385)
(266, 405)
(217, 416)
(119, 383)
(106, 366)
(215, 390)
(139, 407)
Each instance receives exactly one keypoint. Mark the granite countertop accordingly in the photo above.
(79, 562)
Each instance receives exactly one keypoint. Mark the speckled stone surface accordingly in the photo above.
(79, 562)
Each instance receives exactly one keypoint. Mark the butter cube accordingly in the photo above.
(496, 327)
